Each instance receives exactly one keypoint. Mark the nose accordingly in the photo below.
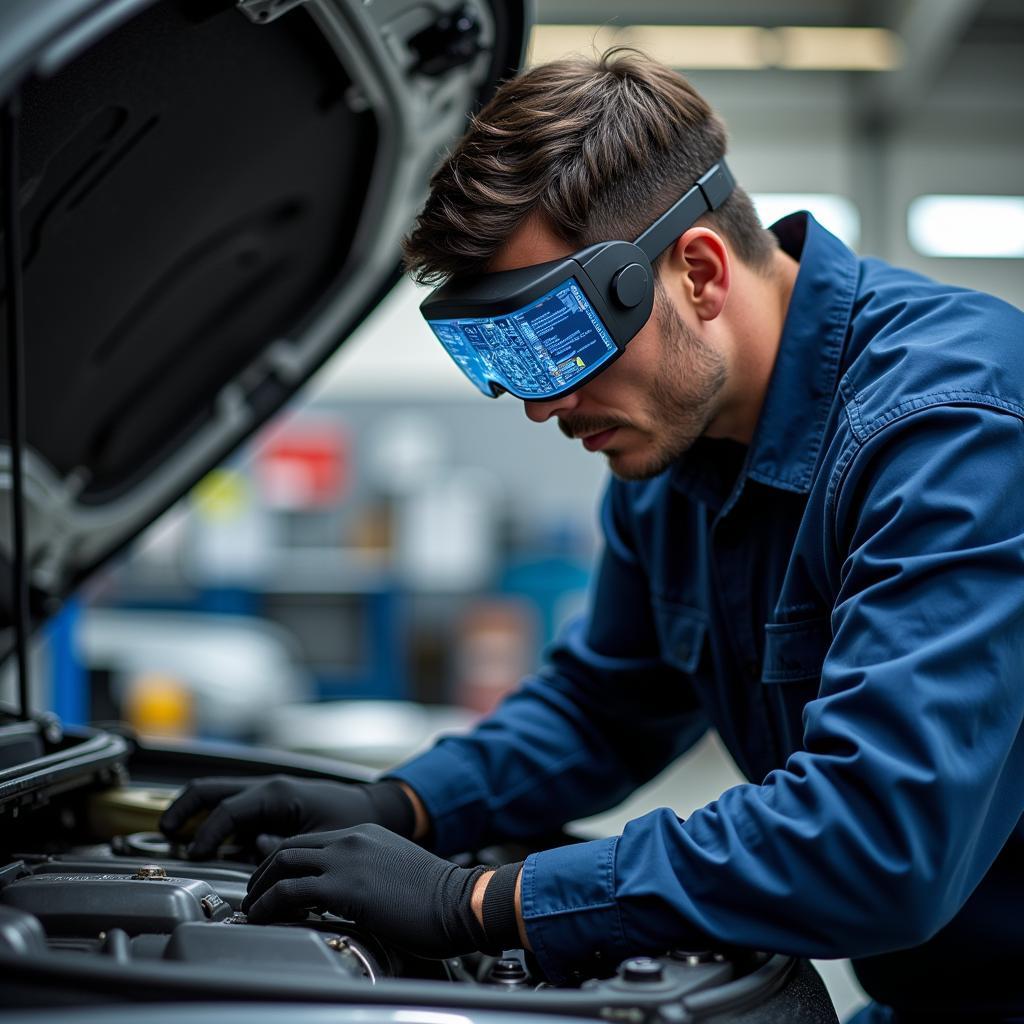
(541, 411)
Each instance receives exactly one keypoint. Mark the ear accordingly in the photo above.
(701, 257)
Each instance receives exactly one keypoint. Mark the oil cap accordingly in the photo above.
(151, 872)
(641, 969)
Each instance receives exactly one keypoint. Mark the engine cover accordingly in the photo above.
(86, 904)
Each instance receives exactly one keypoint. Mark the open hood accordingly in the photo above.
(212, 196)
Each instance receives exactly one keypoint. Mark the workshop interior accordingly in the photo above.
(252, 517)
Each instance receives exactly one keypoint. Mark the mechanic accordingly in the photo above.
(814, 544)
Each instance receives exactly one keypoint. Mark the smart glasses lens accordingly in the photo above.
(539, 351)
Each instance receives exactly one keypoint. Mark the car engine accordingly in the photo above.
(136, 899)
(97, 908)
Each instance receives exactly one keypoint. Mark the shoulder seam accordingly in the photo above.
(952, 396)
(851, 406)
(956, 396)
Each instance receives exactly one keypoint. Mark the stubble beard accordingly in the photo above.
(682, 401)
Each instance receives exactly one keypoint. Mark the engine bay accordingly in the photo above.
(97, 908)
(136, 899)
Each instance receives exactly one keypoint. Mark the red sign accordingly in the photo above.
(304, 466)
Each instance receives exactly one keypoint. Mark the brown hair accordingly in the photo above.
(598, 147)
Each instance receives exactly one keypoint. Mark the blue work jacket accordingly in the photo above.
(843, 601)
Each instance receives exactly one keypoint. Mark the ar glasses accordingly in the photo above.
(543, 331)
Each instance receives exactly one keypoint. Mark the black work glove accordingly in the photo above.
(264, 810)
(389, 886)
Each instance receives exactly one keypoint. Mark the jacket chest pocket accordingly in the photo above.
(793, 655)
(794, 651)
(681, 634)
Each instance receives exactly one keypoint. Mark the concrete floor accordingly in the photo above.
(693, 781)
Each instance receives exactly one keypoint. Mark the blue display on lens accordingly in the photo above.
(536, 351)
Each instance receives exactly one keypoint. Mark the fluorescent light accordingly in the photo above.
(727, 47)
(838, 49)
(833, 212)
(428, 1017)
(739, 47)
(552, 42)
(975, 227)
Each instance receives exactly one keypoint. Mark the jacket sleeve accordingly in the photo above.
(602, 716)
(911, 777)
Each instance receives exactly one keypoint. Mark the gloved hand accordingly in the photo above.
(266, 809)
(389, 886)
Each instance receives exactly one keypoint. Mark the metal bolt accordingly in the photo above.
(356, 100)
(151, 872)
(508, 972)
(692, 957)
(52, 728)
(210, 904)
(642, 969)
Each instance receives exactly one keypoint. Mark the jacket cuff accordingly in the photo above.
(570, 913)
(453, 795)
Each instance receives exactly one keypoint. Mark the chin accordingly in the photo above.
(627, 467)
(646, 463)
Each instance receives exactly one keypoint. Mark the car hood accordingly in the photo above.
(212, 198)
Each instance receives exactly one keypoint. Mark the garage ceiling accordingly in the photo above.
(978, 41)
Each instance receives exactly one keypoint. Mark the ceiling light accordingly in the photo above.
(552, 42)
(838, 49)
(833, 212)
(739, 47)
(975, 227)
(727, 47)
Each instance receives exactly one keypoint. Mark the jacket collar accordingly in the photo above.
(791, 427)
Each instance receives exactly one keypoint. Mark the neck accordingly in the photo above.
(751, 333)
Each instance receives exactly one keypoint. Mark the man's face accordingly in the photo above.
(650, 405)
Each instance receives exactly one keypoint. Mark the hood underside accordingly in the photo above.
(212, 197)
